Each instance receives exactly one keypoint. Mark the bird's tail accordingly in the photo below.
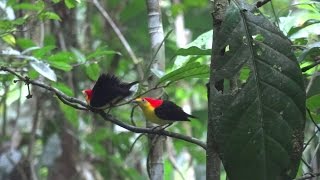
(133, 83)
(191, 116)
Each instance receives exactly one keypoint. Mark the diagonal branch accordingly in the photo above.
(81, 105)
(120, 36)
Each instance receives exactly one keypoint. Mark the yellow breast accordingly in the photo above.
(151, 116)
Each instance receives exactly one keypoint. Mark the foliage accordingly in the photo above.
(261, 122)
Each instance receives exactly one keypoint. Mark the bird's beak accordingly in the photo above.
(136, 101)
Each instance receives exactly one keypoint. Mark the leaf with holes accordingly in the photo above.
(258, 126)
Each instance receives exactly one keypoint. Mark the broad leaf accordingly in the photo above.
(43, 69)
(258, 127)
(190, 70)
(200, 46)
(305, 24)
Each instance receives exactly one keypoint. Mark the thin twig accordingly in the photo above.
(135, 141)
(71, 101)
(193, 140)
(313, 121)
(120, 36)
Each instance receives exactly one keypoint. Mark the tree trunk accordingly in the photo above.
(155, 164)
(213, 161)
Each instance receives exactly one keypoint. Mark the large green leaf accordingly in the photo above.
(190, 70)
(258, 127)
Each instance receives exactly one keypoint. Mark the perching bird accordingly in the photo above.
(162, 112)
(107, 91)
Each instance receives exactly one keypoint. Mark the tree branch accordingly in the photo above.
(81, 105)
(120, 36)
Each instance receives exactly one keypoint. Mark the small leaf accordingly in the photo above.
(61, 65)
(43, 69)
(10, 39)
(25, 43)
(190, 70)
(41, 52)
(29, 6)
(50, 15)
(93, 71)
(64, 88)
(100, 53)
(66, 57)
(70, 3)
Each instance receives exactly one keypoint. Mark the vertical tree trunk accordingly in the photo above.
(155, 164)
(213, 161)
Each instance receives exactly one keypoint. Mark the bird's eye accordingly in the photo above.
(143, 100)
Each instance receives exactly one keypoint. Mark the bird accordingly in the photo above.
(161, 112)
(107, 91)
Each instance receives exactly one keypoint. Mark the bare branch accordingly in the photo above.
(120, 36)
(78, 104)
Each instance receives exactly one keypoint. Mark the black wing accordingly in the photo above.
(170, 111)
(109, 89)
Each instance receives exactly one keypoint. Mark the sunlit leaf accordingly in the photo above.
(43, 69)
(10, 39)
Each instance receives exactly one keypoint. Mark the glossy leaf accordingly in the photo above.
(259, 126)
(10, 39)
(43, 69)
